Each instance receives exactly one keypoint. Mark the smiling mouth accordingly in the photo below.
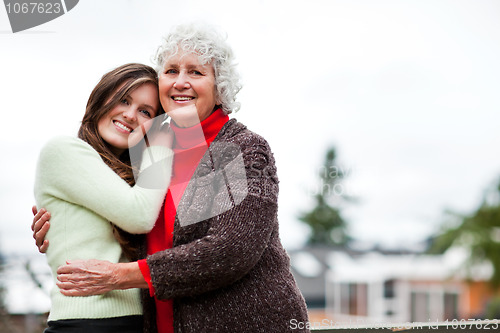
(182, 98)
(122, 126)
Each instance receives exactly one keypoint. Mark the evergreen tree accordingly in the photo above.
(479, 232)
(327, 225)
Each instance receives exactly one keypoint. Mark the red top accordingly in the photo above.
(189, 146)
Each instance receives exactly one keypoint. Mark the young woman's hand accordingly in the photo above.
(96, 277)
(40, 226)
(163, 136)
(186, 116)
(154, 132)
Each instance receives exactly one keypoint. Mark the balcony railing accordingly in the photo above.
(469, 326)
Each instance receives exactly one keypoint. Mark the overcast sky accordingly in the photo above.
(407, 91)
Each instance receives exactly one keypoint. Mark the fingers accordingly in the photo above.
(43, 248)
(40, 228)
(73, 288)
(36, 216)
(164, 136)
(40, 219)
(169, 140)
(73, 279)
(77, 279)
(89, 267)
(72, 266)
(70, 290)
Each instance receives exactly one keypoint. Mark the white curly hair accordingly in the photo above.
(211, 47)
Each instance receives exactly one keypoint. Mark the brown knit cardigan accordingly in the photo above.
(229, 271)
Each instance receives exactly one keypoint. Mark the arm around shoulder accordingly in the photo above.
(70, 169)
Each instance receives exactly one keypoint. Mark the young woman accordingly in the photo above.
(88, 184)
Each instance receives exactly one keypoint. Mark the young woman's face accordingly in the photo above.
(186, 82)
(134, 110)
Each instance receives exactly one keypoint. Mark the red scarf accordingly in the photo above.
(189, 146)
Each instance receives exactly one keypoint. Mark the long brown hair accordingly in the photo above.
(113, 87)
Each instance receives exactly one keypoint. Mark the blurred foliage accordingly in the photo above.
(478, 232)
(493, 309)
(327, 225)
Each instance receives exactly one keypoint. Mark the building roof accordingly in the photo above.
(375, 266)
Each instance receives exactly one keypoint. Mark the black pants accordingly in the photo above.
(128, 324)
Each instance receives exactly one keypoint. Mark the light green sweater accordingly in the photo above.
(83, 195)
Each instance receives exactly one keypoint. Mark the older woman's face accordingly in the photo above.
(186, 82)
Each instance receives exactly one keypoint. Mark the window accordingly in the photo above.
(362, 299)
(450, 306)
(344, 298)
(389, 288)
(354, 299)
(419, 306)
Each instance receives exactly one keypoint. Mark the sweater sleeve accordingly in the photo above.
(71, 170)
(234, 243)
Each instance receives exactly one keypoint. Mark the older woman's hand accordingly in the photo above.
(84, 278)
(96, 277)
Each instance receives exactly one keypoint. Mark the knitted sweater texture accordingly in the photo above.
(228, 271)
(84, 195)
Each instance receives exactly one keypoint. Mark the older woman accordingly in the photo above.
(214, 260)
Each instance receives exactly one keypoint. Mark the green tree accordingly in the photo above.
(327, 225)
(479, 232)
